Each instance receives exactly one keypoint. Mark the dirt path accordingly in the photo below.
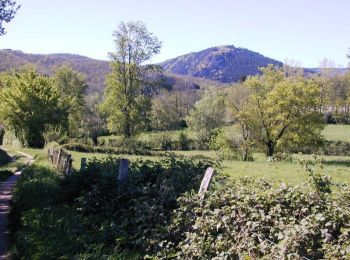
(6, 189)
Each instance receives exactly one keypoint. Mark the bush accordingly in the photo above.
(183, 143)
(97, 221)
(337, 148)
(128, 147)
(4, 157)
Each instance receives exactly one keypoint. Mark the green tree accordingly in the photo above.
(280, 110)
(29, 104)
(125, 98)
(207, 115)
(72, 88)
(8, 10)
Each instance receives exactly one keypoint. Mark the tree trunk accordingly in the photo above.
(270, 149)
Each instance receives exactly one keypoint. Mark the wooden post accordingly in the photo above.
(59, 158)
(123, 175)
(68, 167)
(83, 164)
(205, 182)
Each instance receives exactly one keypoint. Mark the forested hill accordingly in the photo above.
(94, 70)
(224, 63)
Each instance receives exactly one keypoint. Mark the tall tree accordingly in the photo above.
(280, 110)
(124, 95)
(8, 10)
(29, 104)
(72, 88)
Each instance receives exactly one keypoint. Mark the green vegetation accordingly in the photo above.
(8, 166)
(29, 104)
(127, 105)
(278, 111)
(4, 157)
(337, 133)
(161, 216)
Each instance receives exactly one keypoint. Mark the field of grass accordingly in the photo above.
(331, 133)
(292, 172)
(337, 133)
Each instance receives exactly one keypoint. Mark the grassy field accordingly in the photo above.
(337, 133)
(331, 133)
(292, 172)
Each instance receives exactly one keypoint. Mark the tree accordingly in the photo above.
(29, 104)
(8, 10)
(207, 115)
(125, 98)
(72, 88)
(280, 111)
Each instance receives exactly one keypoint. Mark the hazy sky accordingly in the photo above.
(302, 30)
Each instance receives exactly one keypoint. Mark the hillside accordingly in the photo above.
(95, 71)
(224, 63)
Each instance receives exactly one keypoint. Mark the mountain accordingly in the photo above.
(223, 63)
(94, 70)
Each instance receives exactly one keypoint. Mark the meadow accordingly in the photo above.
(290, 171)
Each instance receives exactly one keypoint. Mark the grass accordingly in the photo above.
(291, 172)
(10, 168)
(330, 132)
(337, 167)
(337, 133)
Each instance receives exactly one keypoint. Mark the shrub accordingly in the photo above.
(183, 143)
(4, 157)
(98, 221)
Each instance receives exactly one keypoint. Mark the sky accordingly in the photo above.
(306, 31)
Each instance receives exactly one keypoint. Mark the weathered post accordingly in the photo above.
(83, 164)
(59, 158)
(205, 182)
(123, 175)
(68, 164)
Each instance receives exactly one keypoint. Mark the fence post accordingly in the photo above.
(205, 182)
(123, 175)
(83, 164)
(59, 158)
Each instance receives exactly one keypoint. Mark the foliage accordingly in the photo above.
(280, 111)
(72, 88)
(184, 143)
(169, 109)
(127, 146)
(29, 104)
(4, 157)
(8, 10)
(97, 221)
(125, 100)
(162, 217)
(208, 114)
(226, 148)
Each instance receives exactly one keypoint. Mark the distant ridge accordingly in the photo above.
(94, 70)
(225, 63)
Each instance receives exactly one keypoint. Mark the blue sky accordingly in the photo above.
(303, 30)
